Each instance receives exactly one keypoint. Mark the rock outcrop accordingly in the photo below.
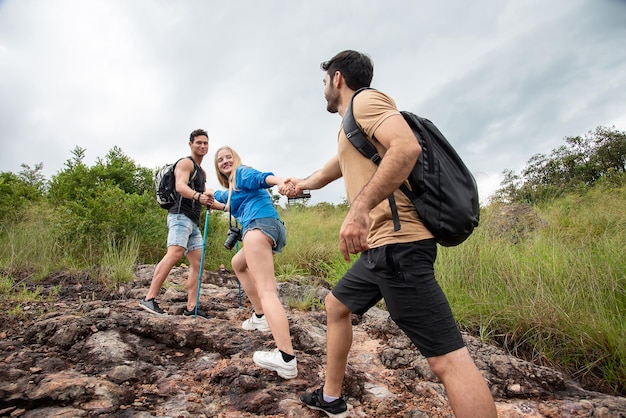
(88, 351)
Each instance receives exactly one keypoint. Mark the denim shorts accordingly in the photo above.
(273, 228)
(403, 274)
(183, 232)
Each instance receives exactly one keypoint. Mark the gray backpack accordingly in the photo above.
(165, 184)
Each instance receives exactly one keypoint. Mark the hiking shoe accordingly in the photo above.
(200, 314)
(273, 360)
(152, 306)
(254, 322)
(315, 400)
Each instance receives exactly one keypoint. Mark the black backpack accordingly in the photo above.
(442, 189)
(165, 184)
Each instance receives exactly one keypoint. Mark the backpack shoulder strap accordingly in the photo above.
(365, 147)
(356, 136)
(195, 169)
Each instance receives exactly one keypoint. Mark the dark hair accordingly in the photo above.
(356, 68)
(197, 132)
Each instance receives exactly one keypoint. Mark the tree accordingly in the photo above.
(16, 194)
(118, 169)
(609, 151)
(509, 188)
(74, 182)
(77, 181)
(113, 199)
(33, 177)
(581, 162)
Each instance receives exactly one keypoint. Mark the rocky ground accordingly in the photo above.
(88, 351)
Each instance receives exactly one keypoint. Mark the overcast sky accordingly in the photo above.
(502, 79)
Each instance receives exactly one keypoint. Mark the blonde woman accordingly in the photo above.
(249, 201)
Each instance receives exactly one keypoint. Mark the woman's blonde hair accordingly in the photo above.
(228, 182)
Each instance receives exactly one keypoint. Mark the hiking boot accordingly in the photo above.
(254, 322)
(273, 360)
(200, 313)
(315, 400)
(152, 306)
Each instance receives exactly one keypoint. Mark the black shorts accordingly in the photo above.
(403, 274)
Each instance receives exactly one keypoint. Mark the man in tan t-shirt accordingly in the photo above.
(395, 265)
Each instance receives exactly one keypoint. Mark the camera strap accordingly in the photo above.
(236, 225)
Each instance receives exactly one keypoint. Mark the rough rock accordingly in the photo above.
(514, 223)
(91, 351)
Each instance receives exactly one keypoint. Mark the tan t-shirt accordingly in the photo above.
(370, 108)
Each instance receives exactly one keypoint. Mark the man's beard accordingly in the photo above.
(332, 102)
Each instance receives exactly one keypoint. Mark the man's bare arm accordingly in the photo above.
(402, 153)
(182, 174)
(329, 172)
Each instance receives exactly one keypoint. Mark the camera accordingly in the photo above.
(234, 235)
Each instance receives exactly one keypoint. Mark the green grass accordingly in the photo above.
(118, 261)
(555, 295)
(29, 245)
(558, 296)
(19, 295)
(313, 241)
(6, 284)
(305, 300)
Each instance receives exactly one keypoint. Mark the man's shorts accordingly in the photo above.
(183, 232)
(403, 274)
(273, 228)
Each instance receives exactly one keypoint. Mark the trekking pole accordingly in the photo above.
(206, 225)
(238, 282)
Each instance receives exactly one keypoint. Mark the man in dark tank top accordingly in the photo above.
(184, 237)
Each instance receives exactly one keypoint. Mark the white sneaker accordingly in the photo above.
(273, 360)
(253, 323)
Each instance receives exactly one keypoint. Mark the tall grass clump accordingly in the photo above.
(313, 241)
(33, 243)
(119, 259)
(6, 284)
(558, 295)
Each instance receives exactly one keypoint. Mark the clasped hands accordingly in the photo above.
(355, 228)
(290, 187)
(206, 198)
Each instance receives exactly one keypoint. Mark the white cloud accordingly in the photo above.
(502, 79)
